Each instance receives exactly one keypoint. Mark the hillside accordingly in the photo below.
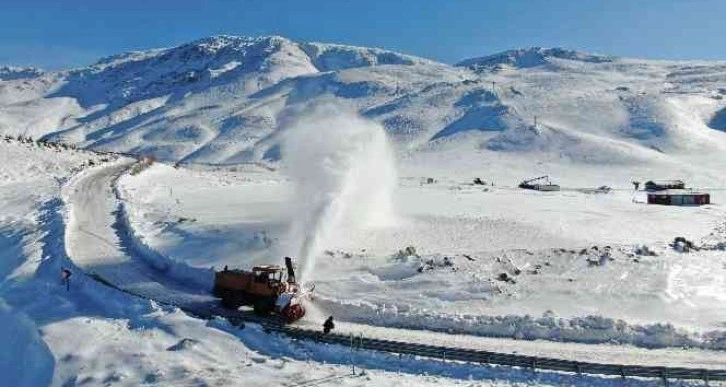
(227, 99)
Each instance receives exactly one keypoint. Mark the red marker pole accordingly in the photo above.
(66, 275)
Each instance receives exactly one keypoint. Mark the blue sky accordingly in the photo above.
(64, 33)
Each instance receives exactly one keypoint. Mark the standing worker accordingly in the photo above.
(66, 276)
(328, 325)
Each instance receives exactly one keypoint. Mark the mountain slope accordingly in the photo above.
(226, 99)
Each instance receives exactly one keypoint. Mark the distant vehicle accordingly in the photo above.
(547, 186)
(264, 289)
(603, 189)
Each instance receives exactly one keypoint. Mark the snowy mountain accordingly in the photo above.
(531, 57)
(9, 73)
(226, 99)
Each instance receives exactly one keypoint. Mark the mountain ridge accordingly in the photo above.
(514, 56)
(229, 99)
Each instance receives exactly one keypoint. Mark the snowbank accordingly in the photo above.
(588, 329)
(283, 348)
(25, 359)
(203, 278)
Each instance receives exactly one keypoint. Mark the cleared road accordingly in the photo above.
(94, 240)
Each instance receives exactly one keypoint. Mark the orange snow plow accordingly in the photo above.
(264, 289)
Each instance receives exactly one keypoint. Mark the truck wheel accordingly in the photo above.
(262, 308)
(230, 300)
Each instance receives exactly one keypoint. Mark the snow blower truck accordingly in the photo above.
(264, 290)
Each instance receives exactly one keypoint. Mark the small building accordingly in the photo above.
(662, 185)
(679, 198)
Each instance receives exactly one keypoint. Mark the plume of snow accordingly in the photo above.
(343, 174)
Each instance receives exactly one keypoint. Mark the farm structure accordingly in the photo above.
(679, 198)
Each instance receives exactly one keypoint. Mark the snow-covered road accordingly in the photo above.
(95, 241)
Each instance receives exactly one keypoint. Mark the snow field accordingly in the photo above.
(565, 290)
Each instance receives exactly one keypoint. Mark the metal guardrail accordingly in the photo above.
(496, 358)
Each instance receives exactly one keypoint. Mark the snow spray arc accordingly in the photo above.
(343, 173)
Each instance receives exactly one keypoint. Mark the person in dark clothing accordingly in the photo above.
(328, 325)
